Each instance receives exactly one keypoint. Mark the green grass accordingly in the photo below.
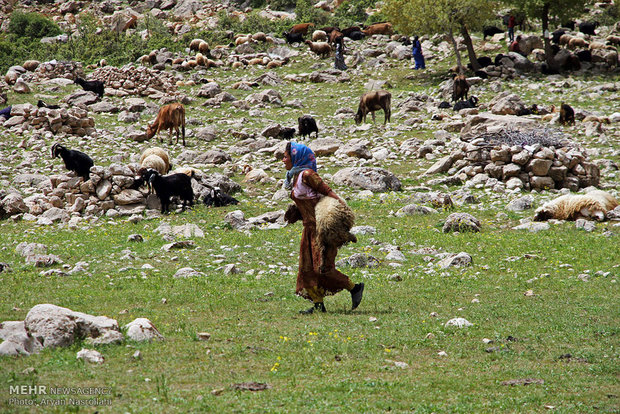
(338, 361)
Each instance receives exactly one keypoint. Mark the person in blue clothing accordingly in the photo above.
(418, 57)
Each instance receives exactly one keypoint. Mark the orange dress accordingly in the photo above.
(311, 283)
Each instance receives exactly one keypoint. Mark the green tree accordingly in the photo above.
(543, 10)
(441, 16)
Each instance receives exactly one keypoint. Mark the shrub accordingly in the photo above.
(307, 13)
(32, 25)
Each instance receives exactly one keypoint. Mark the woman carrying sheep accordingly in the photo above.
(317, 276)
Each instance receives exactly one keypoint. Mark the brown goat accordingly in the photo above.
(379, 28)
(460, 88)
(301, 28)
(169, 116)
(322, 49)
(334, 36)
(373, 101)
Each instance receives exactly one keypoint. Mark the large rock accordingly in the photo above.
(507, 103)
(12, 204)
(455, 260)
(325, 146)
(82, 98)
(54, 326)
(367, 178)
(461, 222)
(357, 148)
(141, 329)
(16, 340)
(129, 196)
(213, 156)
(209, 90)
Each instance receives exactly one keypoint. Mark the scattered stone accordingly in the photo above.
(458, 322)
(90, 355)
(141, 329)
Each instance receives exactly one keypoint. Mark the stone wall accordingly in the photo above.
(530, 167)
(73, 120)
(107, 192)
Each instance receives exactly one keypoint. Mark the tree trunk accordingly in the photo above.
(471, 53)
(545, 29)
(456, 52)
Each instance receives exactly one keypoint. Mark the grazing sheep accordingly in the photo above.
(319, 36)
(472, 102)
(613, 40)
(194, 44)
(95, 86)
(460, 87)
(307, 125)
(274, 64)
(373, 101)
(577, 42)
(74, 160)
(565, 39)
(242, 39)
(155, 162)
(321, 49)
(567, 114)
(171, 185)
(259, 37)
(573, 206)
(217, 198)
(169, 116)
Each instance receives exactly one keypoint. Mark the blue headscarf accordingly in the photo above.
(302, 158)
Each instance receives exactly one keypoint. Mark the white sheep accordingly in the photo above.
(573, 206)
(160, 152)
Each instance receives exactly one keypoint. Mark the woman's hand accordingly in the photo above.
(332, 194)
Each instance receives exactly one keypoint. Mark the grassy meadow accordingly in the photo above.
(533, 298)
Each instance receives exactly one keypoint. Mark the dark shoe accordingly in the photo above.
(356, 295)
(319, 306)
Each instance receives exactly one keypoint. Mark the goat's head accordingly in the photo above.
(358, 117)
(150, 132)
(57, 149)
(474, 100)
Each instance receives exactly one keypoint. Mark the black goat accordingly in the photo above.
(472, 102)
(584, 55)
(498, 59)
(555, 36)
(588, 28)
(74, 160)
(293, 37)
(307, 125)
(567, 114)
(6, 112)
(170, 185)
(360, 35)
(218, 198)
(286, 133)
(490, 31)
(43, 104)
(95, 86)
(445, 105)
